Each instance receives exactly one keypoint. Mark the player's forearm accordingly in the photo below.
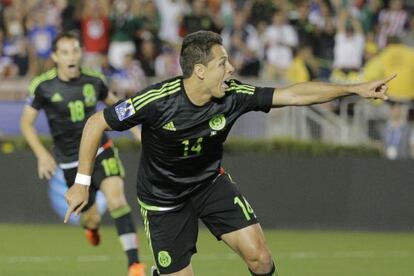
(30, 134)
(91, 137)
(310, 93)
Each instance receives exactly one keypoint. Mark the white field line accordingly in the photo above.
(215, 257)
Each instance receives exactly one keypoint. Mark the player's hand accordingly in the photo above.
(374, 89)
(46, 166)
(77, 198)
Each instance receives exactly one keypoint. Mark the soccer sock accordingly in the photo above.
(126, 232)
(272, 272)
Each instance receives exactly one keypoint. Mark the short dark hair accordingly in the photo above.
(69, 35)
(196, 49)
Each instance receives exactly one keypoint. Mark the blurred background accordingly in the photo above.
(344, 165)
(135, 43)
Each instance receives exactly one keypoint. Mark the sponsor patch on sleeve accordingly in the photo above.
(125, 110)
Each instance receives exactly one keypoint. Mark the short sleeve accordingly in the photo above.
(35, 97)
(128, 113)
(250, 98)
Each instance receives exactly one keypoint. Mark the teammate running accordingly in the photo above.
(69, 95)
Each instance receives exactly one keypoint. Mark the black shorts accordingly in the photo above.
(107, 164)
(172, 234)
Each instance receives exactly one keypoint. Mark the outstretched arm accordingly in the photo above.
(308, 93)
(77, 195)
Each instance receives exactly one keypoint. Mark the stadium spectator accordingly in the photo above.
(15, 45)
(325, 42)
(71, 16)
(147, 55)
(396, 57)
(128, 80)
(304, 66)
(185, 121)
(243, 45)
(349, 49)
(199, 19)
(408, 36)
(391, 21)
(260, 12)
(150, 18)
(41, 35)
(124, 32)
(171, 13)
(167, 63)
(279, 40)
(69, 95)
(371, 47)
(369, 15)
(95, 32)
(7, 67)
(398, 134)
(305, 29)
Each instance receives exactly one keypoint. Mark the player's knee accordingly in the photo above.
(116, 202)
(259, 258)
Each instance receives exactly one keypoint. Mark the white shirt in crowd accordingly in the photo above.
(348, 50)
(170, 14)
(279, 41)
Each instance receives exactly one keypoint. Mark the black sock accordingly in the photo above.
(126, 232)
(272, 272)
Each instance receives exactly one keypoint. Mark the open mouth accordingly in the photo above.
(225, 85)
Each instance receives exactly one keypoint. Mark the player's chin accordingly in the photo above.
(220, 93)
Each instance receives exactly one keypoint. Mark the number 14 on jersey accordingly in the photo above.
(192, 148)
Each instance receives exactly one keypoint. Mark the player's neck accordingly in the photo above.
(195, 92)
(65, 77)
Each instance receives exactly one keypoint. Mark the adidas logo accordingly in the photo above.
(56, 98)
(169, 126)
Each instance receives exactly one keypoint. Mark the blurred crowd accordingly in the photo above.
(283, 40)
(286, 41)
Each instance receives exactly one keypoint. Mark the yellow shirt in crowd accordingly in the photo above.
(298, 72)
(395, 58)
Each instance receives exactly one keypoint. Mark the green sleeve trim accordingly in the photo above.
(93, 73)
(120, 212)
(48, 75)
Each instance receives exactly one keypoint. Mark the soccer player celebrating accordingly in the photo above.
(185, 121)
(69, 95)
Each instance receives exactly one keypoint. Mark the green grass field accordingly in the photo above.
(41, 250)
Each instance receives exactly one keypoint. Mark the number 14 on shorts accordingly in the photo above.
(245, 206)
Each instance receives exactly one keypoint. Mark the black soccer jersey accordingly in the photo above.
(182, 144)
(67, 104)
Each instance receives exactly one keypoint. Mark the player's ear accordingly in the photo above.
(54, 57)
(199, 71)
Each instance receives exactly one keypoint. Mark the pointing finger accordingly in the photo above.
(389, 78)
(68, 213)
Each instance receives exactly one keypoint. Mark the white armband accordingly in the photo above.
(83, 179)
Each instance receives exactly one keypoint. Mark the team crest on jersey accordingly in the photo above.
(89, 93)
(218, 122)
(125, 110)
(56, 98)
